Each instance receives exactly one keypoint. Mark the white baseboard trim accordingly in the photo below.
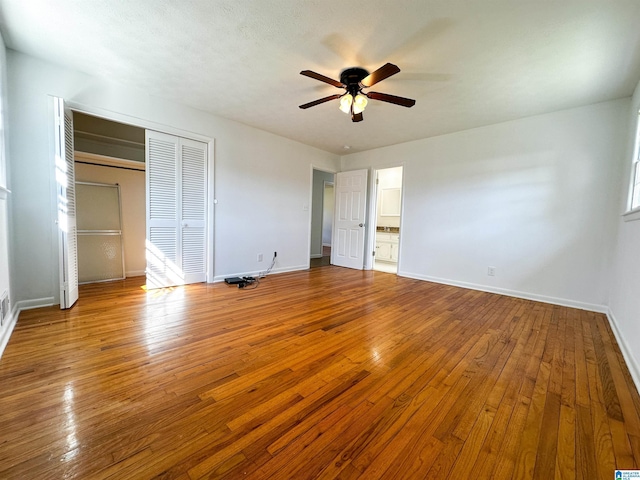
(592, 307)
(316, 255)
(326, 244)
(220, 278)
(135, 273)
(34, 303)
(7, 329)
(632, 364)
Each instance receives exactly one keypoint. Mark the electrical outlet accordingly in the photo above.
(260, 257)
(491, 271)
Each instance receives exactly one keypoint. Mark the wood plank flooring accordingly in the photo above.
(328, 373)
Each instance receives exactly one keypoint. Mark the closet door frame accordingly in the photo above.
(163, 128)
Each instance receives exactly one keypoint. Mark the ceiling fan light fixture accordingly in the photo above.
(345, 103)
(353, 100)
(359, 103)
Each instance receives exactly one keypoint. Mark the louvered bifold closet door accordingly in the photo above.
(193, 161)
(176, 210)
(66, 200)
(72, 237)
(163, 269)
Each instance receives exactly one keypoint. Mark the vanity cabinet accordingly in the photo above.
(394, 249)
(387, 246)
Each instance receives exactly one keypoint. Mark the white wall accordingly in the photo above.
(536, 198)
(624, 301)
(5, 198)
(262, 181)
(317, 206)
(132, 198)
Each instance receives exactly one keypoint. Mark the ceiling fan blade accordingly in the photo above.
(385, 97)
(322, 78)
(380, 74)
(322, 100)
(356, 117)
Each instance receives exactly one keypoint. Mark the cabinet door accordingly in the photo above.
(383, 251)
(394, 252)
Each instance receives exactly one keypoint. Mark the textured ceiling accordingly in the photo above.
(467, 63)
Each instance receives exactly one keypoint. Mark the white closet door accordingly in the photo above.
(176, 210)
(65, 184)
(193, 160)
(162, 211)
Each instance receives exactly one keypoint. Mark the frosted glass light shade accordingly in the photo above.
(345, 103)
(359, 103)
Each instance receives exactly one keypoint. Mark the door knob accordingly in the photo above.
(361, 225)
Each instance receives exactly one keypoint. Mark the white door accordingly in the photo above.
(347, 249)
(176, 210)
(193, 207)
(66, 199)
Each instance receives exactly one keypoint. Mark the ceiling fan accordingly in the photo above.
(353, 80)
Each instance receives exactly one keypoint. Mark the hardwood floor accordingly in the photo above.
(322, 261)
(327, 373)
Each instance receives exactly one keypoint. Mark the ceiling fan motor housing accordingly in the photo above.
(351, 78)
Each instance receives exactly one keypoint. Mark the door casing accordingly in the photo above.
(141, 123)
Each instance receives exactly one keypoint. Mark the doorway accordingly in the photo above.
(322, 207)
(112, 153)
(328, 201)
(186, 164)
(387, 219)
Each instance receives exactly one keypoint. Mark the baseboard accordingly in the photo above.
(7, 329)
(34, 303)
(15, 313)
(316, 255)
(326, 244)
(632, 364)
(135, 273)
(220, 278)
(592, 307)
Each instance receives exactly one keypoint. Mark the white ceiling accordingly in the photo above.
(467, 63)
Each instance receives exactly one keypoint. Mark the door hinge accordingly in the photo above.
(373, 254)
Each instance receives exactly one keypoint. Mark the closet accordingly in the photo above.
(99, 228)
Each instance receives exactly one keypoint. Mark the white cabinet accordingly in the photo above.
(387, 246)
(383, 250)
(394, 251)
